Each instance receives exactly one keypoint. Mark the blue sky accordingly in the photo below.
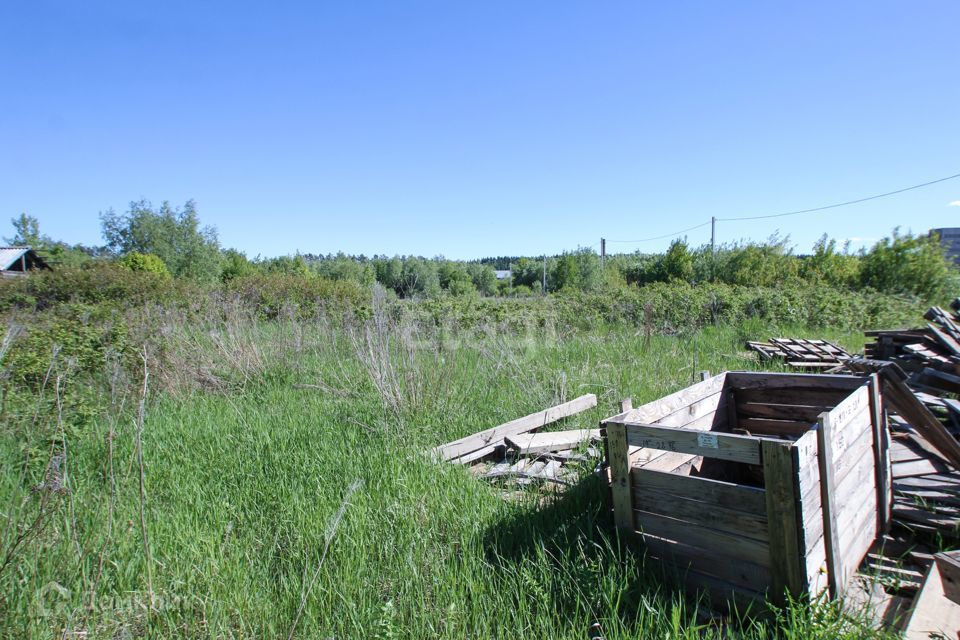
(483, 128)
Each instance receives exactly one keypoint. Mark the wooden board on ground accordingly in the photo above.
(934, 615)
(466, 449)
(530, 443)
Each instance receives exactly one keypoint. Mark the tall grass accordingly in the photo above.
(313, 422)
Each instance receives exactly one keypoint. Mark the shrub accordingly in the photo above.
(144, 263)
(95, 284)
(908, 264)
(269, 295)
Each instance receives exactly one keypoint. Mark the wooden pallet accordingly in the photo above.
(801, 353)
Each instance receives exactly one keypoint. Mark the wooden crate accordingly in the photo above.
(755, 484)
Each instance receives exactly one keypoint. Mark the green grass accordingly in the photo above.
(243, 485)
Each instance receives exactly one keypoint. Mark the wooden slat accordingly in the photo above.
(699, 513)
(835, 580)
(946, 340)
(792, 381)
(780, 411)
(492, 437)
(620, 489)
(948, 563)
(722, 446)
(934, 615)
(922, 467)
(530, 443)
(700, 412)
(899, 398)
(727, 495)
(656, 410)
(783, 512)
(765, 426)
(797, 397)
(881, 455)
(728, 545)
(707, 561)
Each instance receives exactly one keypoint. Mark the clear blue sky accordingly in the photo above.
(482, 128)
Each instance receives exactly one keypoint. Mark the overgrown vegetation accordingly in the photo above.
(220, 510)
(242, 451)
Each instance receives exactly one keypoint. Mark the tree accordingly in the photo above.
(908, 264)
(27, 233)
(565, 274)
(235, 265)
(172, 234)
(829, 266)
(484, 278)
(677, 262)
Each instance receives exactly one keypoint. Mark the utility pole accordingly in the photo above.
(603, 252)
(544, 274)
(713, 248)
(510, 268)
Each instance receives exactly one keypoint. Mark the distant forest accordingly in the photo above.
(171, 241)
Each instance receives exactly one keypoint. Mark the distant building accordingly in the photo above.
(17, 261)
(503, 274)
(950, 241)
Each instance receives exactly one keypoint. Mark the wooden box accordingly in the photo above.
(755, 484)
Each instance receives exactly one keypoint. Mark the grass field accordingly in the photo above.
(286, 491)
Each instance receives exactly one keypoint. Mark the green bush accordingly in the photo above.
(270, 295)
(909, 264)
(76, 338)
(95, 284)
(143, 263)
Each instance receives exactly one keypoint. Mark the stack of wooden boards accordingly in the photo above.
(800, 353)
(517, 451)
(935, 347)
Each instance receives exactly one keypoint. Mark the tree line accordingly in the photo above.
(172, 242)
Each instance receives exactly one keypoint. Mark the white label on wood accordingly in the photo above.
(708, 441)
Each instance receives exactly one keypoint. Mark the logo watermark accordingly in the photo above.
(53, 600)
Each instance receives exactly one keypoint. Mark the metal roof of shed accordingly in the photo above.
(10, 255)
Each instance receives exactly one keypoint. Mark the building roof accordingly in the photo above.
(502, 274)
(10, 255)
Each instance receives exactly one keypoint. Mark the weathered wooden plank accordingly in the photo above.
(794, 381)
(722, 446)
(531, 443)
(899, 398)
(495, 435)
(701, 412)
(728, 545)
(934, 615)
(620, 489)
(766, 426)
(881, 455)
(948, 563)
(922, 467)
(788, 573)
(792, 397)
(773, 411)
(835, 579)
(945, 339)
(850, 409)
(708, 561)
(699, 513)
(727, 495)
(857, 470)
(654, 411)
(667, 461)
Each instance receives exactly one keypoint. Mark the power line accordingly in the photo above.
(668, 235)
(843, 204)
